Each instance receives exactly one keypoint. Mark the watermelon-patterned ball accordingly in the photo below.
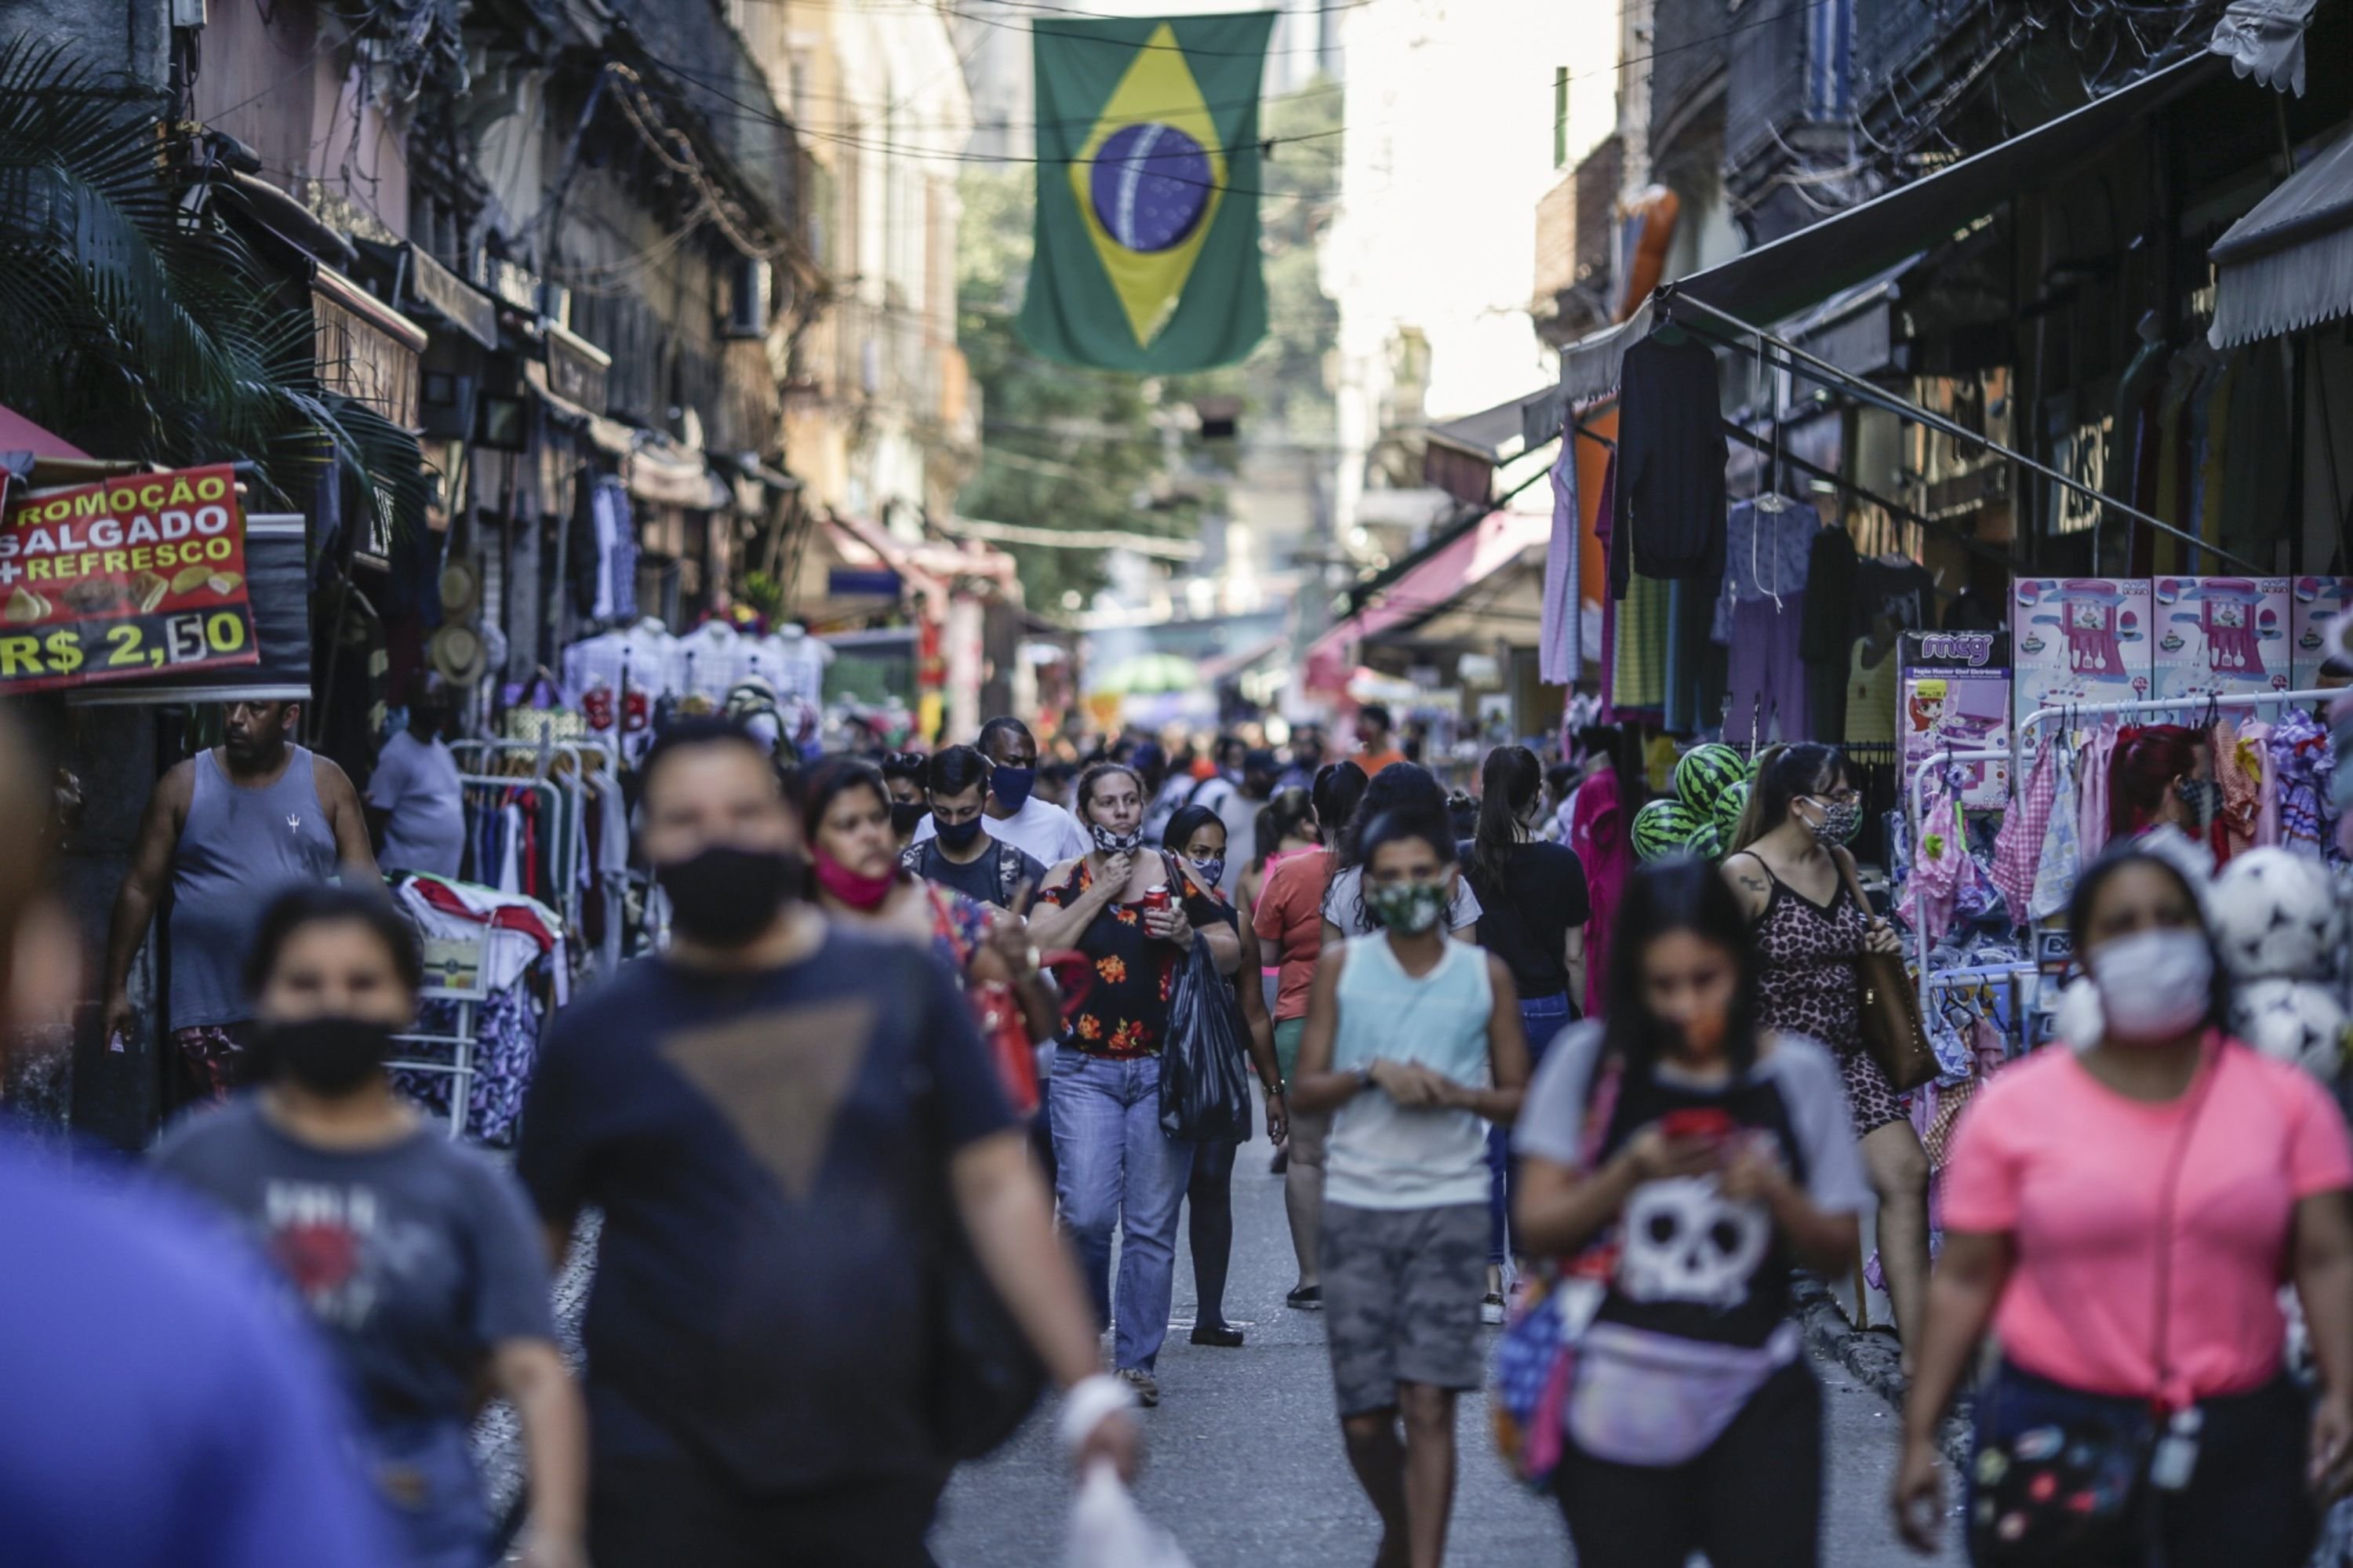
(1705, 772)
(1664, 827)
(1728, 806)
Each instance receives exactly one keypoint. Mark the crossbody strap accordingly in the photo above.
(2208, 1068)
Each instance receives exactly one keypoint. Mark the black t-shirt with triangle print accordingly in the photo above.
(769, 1155)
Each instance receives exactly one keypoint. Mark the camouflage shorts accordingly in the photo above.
(1401, 1293)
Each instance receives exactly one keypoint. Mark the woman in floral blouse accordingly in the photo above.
(1135, 914)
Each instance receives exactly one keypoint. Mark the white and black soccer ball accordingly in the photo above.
(2275, 917)
(2292, 1021)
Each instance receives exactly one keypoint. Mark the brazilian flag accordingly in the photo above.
(1147, 192)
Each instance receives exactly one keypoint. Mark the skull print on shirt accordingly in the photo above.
(1685, 1241)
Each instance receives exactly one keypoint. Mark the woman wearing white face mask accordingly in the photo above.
(1790, 869)
(2122, 1216)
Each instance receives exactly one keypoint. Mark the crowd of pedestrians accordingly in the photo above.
(877, 1148)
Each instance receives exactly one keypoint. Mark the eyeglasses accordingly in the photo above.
(905, 759)
(1845, 797)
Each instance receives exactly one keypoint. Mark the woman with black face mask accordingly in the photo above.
(1790, 869)
(418, 1257)
(903, 772)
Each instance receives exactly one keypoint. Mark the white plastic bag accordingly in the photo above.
(1108, 1531)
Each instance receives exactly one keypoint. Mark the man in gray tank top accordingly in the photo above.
(227, 830)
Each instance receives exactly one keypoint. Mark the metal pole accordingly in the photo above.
(1821, 370)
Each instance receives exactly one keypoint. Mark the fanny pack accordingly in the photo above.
(1658, 1400)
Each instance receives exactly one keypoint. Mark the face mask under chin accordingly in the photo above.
(1111, 842)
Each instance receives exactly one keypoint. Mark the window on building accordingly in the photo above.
(1560, 117)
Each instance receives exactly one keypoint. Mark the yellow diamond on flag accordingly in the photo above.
(1148, 180)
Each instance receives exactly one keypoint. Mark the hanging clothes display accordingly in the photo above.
(1871, 694)
(1669, 501)
(1642, 627)
(523, 960)
(2059, 858)
(1827, 631)
(2092, 789)
(2303, 762)
(1558, 661)
(2018, 847)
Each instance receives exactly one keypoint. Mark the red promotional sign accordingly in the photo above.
(124, 578)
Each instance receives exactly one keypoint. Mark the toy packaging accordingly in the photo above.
(2219, 636)
(2316, 601)
(1954, 697)
(2077, 640)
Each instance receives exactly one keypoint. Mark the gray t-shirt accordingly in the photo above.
(1344, 910)
(416, 1258)
(416, 783)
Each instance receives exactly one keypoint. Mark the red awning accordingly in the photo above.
(1493, 543)
(19, 434)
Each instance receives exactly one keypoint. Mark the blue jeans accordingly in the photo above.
(1115, 1168)
(1543, 1017)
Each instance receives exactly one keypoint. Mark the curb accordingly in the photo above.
(1875, 1359)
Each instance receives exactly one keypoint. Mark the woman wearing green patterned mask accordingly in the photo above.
(1414, 1041)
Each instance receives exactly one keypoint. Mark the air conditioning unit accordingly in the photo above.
(747, 314)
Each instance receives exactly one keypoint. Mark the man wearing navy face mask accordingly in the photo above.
(1010, 815)
(958, 853)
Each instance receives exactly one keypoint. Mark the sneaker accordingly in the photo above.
(1306, 1298)
(1491, 1310)
(1147, 1393)
(1224, 1336)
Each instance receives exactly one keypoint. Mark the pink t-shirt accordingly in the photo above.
(2073, 1170)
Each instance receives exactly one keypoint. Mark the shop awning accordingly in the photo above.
(1800, 271)
(1497, 541)
(668, 474)
(1802, 268)
(608, 436)
(365, 349)
(2288, 264)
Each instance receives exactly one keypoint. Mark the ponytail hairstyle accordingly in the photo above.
(2141, 774)
(1783, 774)
(1509, 782)
(1339, 787)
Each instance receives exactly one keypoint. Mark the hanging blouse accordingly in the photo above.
(2060, 858)
(2302, 764)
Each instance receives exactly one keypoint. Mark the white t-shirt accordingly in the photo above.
(1343, 909)
(1038, 828)
(416, 783)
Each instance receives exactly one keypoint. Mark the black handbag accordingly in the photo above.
(2071, 1485)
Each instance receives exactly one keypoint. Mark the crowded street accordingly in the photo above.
(1292, 784)
(1245, 1467)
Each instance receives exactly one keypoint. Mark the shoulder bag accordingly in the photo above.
(1892, 1031)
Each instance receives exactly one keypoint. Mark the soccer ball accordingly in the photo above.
(2275, 916)
(2292, 1021)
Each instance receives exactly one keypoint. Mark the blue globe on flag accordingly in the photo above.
(1150, 186)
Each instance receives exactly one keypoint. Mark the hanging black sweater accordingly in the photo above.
(1670, 456)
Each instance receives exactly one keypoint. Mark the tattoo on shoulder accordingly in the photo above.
(1755, 884)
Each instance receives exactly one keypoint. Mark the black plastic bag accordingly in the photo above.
(1204, 1081)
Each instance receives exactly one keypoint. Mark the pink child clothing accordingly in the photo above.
(2073, 1170)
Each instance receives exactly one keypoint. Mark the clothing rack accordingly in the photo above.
(555, 799)
(2164, 705)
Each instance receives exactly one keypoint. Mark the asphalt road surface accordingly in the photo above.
(1245, 1465)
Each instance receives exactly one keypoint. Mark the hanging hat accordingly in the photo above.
(461, 588)
(457, 655)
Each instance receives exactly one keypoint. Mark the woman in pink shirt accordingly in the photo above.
(2123, 1216)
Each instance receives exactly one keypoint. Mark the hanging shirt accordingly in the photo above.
(1671, 455)
(1767, 556)
(1558, 650)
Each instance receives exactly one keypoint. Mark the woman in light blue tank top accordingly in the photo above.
(1414, 1043)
